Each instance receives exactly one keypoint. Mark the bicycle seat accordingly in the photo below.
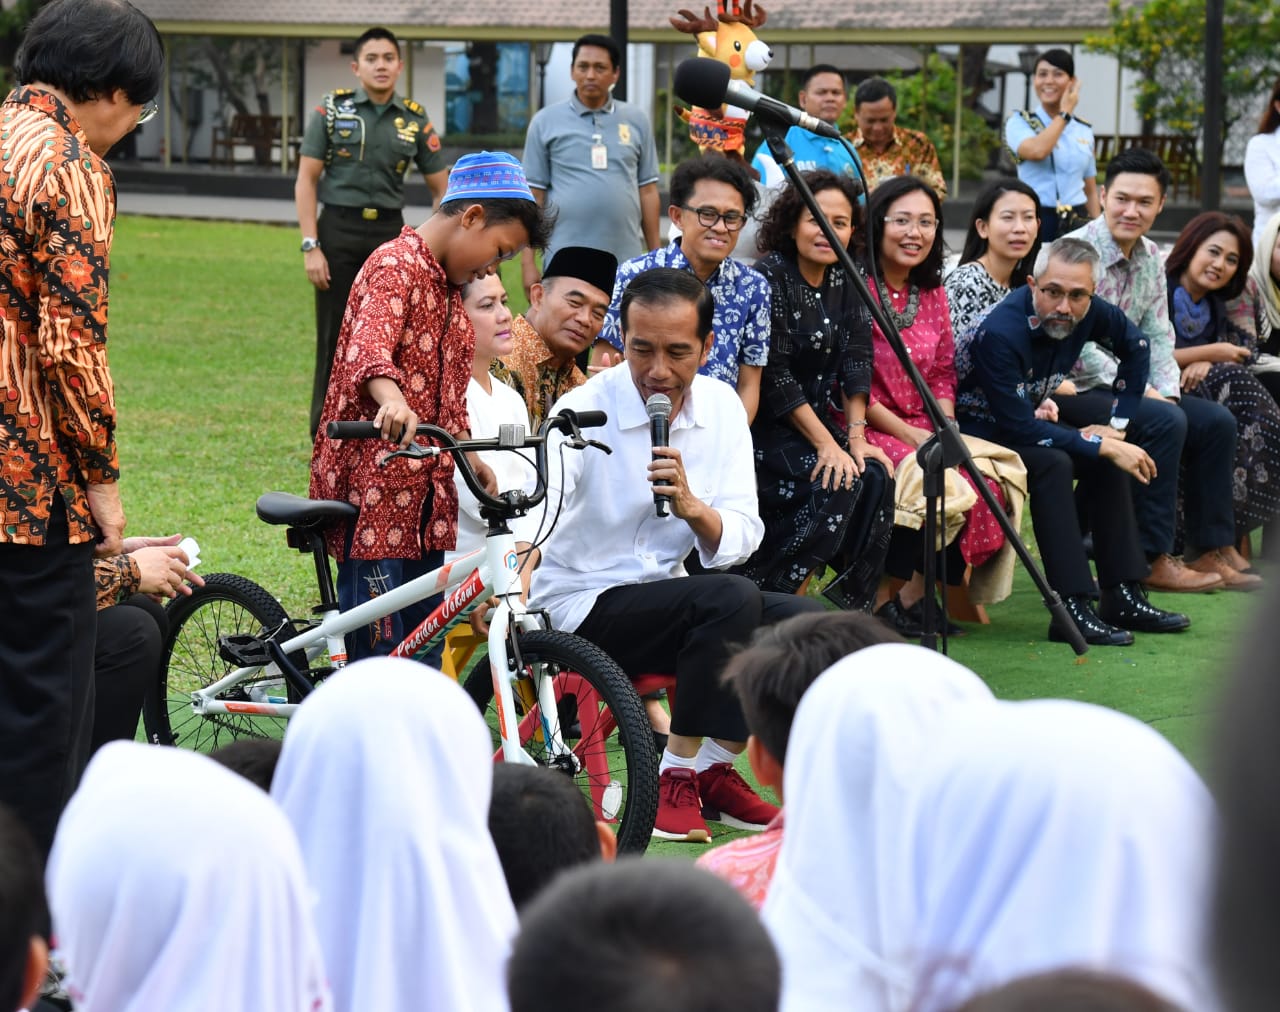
(295, 511)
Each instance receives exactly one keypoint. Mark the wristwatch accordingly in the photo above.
(309, 244)
(1066, 116)
(1119, 424)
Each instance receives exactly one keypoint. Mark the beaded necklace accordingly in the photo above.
(904, 319)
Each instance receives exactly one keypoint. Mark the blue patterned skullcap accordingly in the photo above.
(487, 175)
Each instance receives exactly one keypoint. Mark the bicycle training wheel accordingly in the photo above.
(226, 605)
(603, 721)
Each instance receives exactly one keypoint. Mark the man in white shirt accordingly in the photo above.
(613, 571)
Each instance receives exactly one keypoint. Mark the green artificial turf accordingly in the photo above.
(212, 348)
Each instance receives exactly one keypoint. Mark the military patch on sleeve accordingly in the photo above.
(433, 142)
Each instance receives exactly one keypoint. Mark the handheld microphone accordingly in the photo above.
(658, 407)
(706, 83)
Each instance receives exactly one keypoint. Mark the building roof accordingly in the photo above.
(846, 21)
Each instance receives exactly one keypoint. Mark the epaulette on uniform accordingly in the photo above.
(414, 107)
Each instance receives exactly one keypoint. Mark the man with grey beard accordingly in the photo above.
(1019, 354)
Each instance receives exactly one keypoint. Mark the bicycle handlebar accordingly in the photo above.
(510, 437)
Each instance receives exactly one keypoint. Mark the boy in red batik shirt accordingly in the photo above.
(403, 357)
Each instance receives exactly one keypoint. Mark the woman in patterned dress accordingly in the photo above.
(1216, 341)
(826, 495)
(1000, 250)
(906, 274)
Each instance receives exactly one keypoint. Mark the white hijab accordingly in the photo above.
(1052, 834)
(176, 884)
(385, 774)
(860, 733)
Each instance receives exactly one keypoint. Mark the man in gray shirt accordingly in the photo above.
(593, 157)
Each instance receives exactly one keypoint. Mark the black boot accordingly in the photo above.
(1096, 632)
(916, 614)
(1127, 606)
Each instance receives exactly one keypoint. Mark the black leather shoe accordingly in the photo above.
(899, 619)
(916, 614)
(1097, 633)
(1127, 606)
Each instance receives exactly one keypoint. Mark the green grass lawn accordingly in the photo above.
(212, 347)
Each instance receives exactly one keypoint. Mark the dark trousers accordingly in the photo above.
(346, 239)
(126, 661)
(47, 629)
(1104, 494)
(1198, 432)
(360, 580)
(687, 627)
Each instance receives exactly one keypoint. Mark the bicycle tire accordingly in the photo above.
(615, 743)
(227, 604)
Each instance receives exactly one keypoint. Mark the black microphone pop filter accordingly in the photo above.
(702, 82)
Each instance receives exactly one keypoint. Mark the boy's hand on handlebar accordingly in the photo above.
(397, 421)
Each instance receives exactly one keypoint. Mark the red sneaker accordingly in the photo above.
(727, 798)
(679, 808)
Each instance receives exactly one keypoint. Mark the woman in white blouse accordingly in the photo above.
(491, 403)
(1262, 165)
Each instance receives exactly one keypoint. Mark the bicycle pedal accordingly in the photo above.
(243, 650)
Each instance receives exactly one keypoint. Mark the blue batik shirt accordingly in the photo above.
(741, 320)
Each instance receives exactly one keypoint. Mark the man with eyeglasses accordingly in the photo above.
(711, 199)
(1018, 356)
(1196, 431)
(59, 470)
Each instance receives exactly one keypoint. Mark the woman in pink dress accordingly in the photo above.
(905, 230)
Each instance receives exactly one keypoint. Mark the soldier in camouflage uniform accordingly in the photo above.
(355, 152)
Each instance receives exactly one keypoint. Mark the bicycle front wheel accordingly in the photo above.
(226, 605)
(600, 718)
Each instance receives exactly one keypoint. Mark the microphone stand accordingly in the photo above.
(944, 448)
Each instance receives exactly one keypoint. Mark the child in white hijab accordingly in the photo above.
(385, 774)
(1049, 834)
(175, 884)
(859, 736)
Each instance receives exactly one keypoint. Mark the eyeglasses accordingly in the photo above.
(708, 216)
(1077, 296)
(903, 223)
(148, 112)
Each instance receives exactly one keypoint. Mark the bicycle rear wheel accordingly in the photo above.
(226, 605)
(603, 722)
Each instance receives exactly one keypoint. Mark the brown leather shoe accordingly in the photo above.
(1235, 560)
(1173, 575)
(1216, 562)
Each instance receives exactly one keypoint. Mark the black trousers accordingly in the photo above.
(688, 626)
(1104, 494)
(347, 239)
(126, 660)
(1200, 433)
(47, 628)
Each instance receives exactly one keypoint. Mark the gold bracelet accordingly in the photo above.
(857, 435)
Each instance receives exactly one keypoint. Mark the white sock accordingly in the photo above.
(671, 761)
(710, 754)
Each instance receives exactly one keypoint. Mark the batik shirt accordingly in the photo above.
(911, 153)
(531, 371)
(971, 294)
(406, 322)
(741, 320)
(57, 404)
(1137, 285)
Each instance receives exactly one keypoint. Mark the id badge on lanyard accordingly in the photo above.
(599, 152)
